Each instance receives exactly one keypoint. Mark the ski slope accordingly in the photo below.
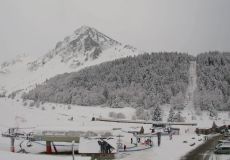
(191, 86)
(50, 116)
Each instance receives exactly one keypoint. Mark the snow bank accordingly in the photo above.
(18, 156)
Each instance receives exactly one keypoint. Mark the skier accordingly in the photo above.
(159, 138)
(150, 142)
(124, 147)
(139, 140)
(142, 130)
(170, 135)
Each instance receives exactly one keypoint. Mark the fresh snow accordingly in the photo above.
(24, 72)
(14, 113)
(17, 156)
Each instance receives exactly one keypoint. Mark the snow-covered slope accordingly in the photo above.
(51, 116)
(85, 47)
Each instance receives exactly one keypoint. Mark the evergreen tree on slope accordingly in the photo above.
(157, 114)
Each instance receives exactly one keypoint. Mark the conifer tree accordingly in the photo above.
(171, 115)
(157, 114)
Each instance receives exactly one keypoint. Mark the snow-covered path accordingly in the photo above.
(206, 150)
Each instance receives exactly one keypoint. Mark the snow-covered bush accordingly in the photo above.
(178, 101)
(90, 134)
(37, 104)
(134, 117)
(143, 114)
(212, 112)
(71, 118)
(120, 115)
(12, 95)
(107, 134)
(116, 115)
(112, 114)
(25, 103)
(178, 117)
(194, 117)
(2, 94)
(32, 103)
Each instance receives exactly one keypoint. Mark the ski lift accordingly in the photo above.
(110, 138)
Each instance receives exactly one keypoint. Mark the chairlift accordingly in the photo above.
(110, 138)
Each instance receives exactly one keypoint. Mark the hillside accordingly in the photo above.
(145, 80)
(213, 71)
(85, 47)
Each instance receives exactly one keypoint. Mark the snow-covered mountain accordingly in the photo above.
(85, 44)
(85, 47)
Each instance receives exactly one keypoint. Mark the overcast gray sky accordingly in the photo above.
(34, 26)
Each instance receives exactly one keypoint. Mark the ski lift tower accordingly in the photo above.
(119, 142)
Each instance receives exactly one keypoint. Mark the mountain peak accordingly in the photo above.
(90, 33)
(85, 28)
(87, 39)
(85, 45)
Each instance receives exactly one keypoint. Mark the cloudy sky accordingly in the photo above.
(193, 26)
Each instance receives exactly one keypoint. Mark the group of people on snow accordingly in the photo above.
(105, 147)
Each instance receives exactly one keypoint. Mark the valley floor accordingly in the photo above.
(58, 117)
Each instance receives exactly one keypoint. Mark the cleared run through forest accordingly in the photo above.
(189, 97)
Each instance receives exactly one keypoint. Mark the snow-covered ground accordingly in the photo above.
(50, 116)
(17, 156)
(57, 117)
(169, 149)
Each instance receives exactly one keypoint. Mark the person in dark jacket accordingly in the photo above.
(100, 144)
(159, 138)
(124, 147)
(103, 147)
(142, 130)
